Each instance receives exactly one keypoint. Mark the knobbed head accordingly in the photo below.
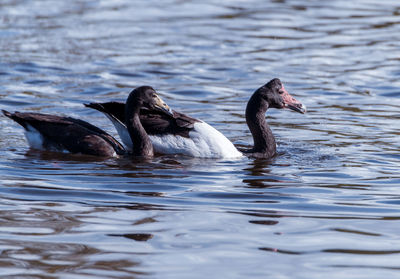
(271, 95)
(274, 95)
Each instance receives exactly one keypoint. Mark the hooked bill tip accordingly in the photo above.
(303, 108)
(297, 107)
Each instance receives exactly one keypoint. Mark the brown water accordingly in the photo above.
(328, 205)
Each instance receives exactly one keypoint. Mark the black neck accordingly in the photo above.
(142, 145)
(264, 141)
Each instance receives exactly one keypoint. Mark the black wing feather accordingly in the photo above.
(154, 122)
(76, 136)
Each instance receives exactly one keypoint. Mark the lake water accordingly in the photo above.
(328, 205)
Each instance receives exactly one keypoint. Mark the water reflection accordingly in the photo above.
(135, 236)
(258, 174)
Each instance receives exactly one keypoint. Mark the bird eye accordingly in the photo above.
(281, 91)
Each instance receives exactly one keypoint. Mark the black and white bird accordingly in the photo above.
(61, 133)
(177, 133)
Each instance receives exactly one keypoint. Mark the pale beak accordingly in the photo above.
(161, 105)
(292, 103)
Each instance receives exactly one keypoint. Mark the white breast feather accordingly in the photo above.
(204, 141)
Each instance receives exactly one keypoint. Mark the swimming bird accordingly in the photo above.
(271, 95)
(61, 133)
(174, 133)
(178, 133)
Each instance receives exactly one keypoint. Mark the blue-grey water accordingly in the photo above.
(327, 206)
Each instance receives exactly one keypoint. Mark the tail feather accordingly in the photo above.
(14, 116)
(7, 113)
(96, 106)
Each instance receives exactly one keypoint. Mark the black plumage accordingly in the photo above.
(67, 133)
(270, 95)
(78, 136)
(154, 122)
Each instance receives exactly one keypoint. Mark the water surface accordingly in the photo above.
(328, 205)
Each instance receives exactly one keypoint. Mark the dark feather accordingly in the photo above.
(74, 135)
(154, 122)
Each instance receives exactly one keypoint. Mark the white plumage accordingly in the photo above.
(34, 138)
(122, 131)
(204, 142)
(177, 133)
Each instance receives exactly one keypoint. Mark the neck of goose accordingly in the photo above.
(142, 145)
(264, 141)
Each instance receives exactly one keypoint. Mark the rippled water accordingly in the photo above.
(328, 205)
